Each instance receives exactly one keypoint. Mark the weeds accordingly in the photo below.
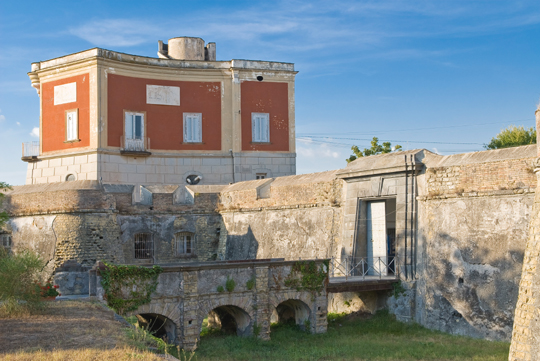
(18, 292)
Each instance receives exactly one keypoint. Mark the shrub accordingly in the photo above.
(230, 284)
(18, 272)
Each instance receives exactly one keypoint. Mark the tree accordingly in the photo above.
(3, 215)
(375, 149)
(512, 137)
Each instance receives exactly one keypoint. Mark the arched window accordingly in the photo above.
(144, 246)
(184, 243)
(70, 178)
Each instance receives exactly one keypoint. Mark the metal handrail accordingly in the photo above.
(349, 266)
(30, 149)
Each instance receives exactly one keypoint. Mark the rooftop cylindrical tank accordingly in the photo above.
(186, 48)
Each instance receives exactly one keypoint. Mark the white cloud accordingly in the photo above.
(2, 118)
(35, 132)
(19, 124)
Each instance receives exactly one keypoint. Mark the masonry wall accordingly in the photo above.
(160, 168)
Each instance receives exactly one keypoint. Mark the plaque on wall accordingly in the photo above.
(65, 93)
(163, 95)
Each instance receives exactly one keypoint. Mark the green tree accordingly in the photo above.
(3, 215)
(512, 137)
(375, 149)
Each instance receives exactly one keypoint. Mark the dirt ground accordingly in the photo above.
(62, 331)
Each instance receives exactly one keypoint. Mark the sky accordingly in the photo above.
(446, 76)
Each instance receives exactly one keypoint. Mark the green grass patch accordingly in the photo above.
(380, 337)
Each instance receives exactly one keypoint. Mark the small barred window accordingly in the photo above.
(5, 241)
(144, 246)
(184, 243)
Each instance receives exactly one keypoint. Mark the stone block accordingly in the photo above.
(127, 168)
(54, 179)
(68, 160)
(115, 177)
(174, 179)
(47, 172)
(147, 169)
(211, 161)
(170, 162)
(136, 178)
(60, 171)
(91, 176)
(113, 158)
(81, 159)
(42, 164)
(88, 167)
(136, 160)
(110, 167)
(221, 169)
(74, 168)
(278, 161)
(92, 158)
(155, 178)
(56, 162)
(251, 161)
(155, 161)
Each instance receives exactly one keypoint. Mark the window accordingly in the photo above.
(184, 243)
(260, 127)
(144, 247)
(260, 176)
(5, 241)
(70, 178)
(192, 128)
(72, 125)
(134, 125)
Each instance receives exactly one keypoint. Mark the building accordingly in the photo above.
(182, 118)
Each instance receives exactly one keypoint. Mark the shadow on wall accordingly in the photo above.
(471, 289)
(240, 247)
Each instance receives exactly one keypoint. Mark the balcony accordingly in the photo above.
(135, 147)
(30, 151)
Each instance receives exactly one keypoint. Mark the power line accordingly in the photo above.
(391, 140)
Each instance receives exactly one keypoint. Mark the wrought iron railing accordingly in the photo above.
(135, 145)
(30, 149)
(347, 266)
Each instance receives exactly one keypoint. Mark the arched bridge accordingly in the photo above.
(242, 297)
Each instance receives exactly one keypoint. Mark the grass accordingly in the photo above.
(84, 331)
(380, 337)
(68, 330)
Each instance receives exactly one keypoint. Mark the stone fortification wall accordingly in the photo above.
(473, 220)
(290, 217)
(482, 173)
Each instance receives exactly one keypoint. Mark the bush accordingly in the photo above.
(18, 291)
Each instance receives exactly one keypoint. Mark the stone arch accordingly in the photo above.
(160, 326)
(239, 308)
(293, 306)
(167, 310)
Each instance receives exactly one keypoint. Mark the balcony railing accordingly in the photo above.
(381, 267)
(30, 151)
(135, 146)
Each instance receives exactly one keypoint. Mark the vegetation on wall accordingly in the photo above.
(512, 137)
(307, 276)
(3, 215)
(129, 287)
(375, 149)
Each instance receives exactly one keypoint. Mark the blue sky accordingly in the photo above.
(441, 75)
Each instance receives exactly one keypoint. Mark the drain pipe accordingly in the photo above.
(232, 157)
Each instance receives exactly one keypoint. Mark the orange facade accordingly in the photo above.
(164, 123)
(271, 98)
(53, 117)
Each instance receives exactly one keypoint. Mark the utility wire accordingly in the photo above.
(390, 140)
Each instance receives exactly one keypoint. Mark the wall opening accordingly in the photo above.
(158, 325)
(229, 320)
(381, 236)
(293, 312)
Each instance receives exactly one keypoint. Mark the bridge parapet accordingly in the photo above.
(250, 294)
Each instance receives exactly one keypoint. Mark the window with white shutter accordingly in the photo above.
(72, 125)
(260, 127)
(134, 125)
(192, 128)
